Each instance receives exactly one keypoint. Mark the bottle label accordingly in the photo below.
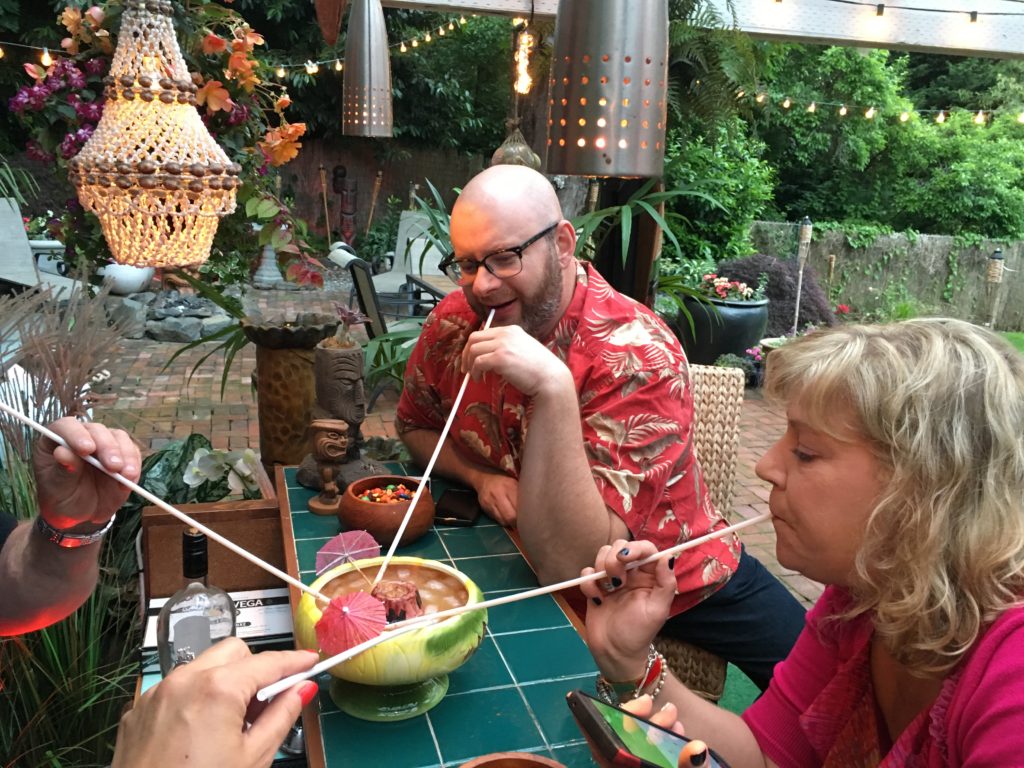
(189, 636)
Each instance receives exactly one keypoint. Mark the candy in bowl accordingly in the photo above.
(378, 504)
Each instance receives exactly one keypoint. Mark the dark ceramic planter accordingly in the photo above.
(720, 327)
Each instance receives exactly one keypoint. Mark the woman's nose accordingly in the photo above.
(770, 467)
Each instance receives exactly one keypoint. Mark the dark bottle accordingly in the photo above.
(197, 615)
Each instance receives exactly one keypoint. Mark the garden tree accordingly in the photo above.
(941, 82)
(820, 157)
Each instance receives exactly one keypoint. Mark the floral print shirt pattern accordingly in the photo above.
(636, 406)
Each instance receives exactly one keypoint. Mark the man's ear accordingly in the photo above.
(565, 242)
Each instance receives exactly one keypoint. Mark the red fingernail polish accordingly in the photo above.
(308, 692)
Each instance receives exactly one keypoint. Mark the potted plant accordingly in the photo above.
(727, 317)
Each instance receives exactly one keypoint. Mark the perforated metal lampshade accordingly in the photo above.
(607, 100)
(366, 95)
(151, 172)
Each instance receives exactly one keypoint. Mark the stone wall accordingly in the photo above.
(946, 278)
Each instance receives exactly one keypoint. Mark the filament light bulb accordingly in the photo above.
(46, 59)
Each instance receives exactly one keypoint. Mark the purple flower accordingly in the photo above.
(76, 79)
(239, 114)
(95, 67)
(19, 101)
(68, 147)
(36, 152)
(72, 205)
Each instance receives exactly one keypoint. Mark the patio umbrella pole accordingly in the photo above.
(164, 505)
(401, 627)
(430, 466)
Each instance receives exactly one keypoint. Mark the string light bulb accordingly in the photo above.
(941, 117)
(870, 113)
(880, 9)
(904, 116)
(427, 38)
(312, 68)
(279, 72)
(451, 25)
(813, 107)
(760, 98)
(842, 110)
(2, 53)
(974, 17)
(786, 103)
(979, 118)
(46, 59)
(462, 19)
(415, 43)
(740, 94)
(338, 66)
(1020, 117)
(440, 30)
(402, 47)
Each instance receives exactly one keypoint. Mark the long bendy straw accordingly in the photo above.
(401, 627)
(430, 465)
(163, 504)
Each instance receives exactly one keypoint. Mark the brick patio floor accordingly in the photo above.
(158, 405)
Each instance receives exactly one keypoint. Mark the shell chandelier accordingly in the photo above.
(152, 172)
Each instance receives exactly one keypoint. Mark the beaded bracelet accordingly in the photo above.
(615, 693)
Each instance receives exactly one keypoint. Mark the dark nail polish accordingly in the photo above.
(624, 551)
(700, 758)
(616, 582)
(596, 600)
(671, 563)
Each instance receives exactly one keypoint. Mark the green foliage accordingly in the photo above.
(729, 360)
(163, 475)
(16, 183)
(728, 167)
(896, 303)
(1017, 339)
(438, 223)
(380, 238)
(388, 355)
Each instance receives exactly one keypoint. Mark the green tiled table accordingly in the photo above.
(509, 697)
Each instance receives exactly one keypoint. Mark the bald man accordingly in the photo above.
(576, 426)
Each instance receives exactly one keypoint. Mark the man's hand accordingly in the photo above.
(72, 492)
(197, 715)
(518, 358)
(498, 495)
(626, 609)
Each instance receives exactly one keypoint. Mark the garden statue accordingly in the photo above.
(340, 399)
(329, 438)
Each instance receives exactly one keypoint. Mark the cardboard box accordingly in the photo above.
(253, 525)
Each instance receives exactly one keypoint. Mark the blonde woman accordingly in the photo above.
(900, 484)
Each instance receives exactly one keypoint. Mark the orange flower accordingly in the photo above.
(248, 38)
(214, 44)
(281, 144)
(283, 103)
(215, 96)
(71, 18)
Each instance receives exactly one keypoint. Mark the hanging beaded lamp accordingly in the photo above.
(607, 100)
(152, 172)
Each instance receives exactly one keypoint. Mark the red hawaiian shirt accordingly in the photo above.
(633, 384)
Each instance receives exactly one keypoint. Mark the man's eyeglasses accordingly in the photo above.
(508, 262)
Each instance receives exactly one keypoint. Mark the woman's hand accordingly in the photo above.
(627, 608)
(197, 715)
(72, 492)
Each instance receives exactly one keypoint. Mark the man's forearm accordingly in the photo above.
(42, 583)
(563, 520)
(421, 444)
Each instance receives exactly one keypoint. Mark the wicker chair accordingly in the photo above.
(717, 405)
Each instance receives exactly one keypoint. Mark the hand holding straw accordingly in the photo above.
(163, 504)
(401, 627)
(430, 466)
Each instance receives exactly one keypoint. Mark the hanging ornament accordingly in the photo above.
(328, 16)
(514, 150)
(151, 172)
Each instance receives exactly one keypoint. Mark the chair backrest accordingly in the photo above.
(717, 408)
(17, 262)
(413, 250)
(366, 295)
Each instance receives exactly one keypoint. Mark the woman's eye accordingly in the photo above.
(803, 456)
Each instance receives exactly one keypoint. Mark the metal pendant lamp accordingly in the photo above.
(151, 172)
(608, 90)
(366, 94)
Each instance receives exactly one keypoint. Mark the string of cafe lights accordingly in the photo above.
(867, 112)
(281, 69)
(971, 16)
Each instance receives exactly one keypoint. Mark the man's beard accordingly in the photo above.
(540, 309)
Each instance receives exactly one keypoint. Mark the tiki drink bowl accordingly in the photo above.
(406, 676)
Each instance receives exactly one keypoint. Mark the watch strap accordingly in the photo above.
(71, 540)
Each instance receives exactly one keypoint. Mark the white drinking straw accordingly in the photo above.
(422, 621)
(164, 505)
(430, 466)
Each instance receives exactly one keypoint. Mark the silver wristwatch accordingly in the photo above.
(71, 540)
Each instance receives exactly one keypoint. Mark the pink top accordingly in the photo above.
(805, 716)
(637, 418)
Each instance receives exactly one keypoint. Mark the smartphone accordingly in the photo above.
(457, 506)
(619, 738)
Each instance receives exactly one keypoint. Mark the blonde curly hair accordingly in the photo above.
(941, 402)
